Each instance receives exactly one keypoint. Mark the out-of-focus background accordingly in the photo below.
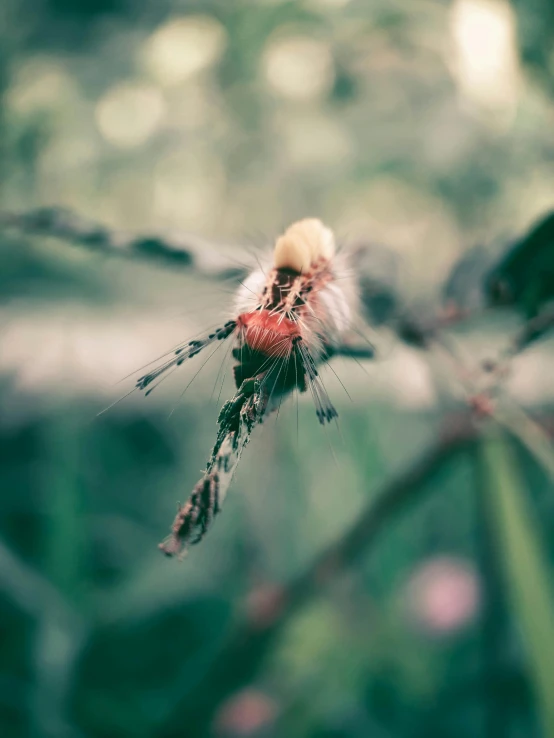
(424, 127)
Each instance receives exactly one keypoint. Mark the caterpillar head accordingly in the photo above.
(304, 244)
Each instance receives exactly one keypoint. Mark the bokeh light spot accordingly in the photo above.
(129, 114)
(298, 67)
(485, 58)
(40, 83)
(183, 47)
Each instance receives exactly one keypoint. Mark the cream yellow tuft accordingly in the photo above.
(303, 244)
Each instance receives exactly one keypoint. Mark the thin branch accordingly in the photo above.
(351, 351)
(185, 251)
(218, 261)
(249, 643)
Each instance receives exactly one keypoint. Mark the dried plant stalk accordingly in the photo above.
(236, 421)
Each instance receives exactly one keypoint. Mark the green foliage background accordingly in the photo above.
(100, 635)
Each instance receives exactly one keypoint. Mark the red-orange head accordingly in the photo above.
(268, 332)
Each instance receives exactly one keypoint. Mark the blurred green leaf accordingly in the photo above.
(525, 275)
(526, 569)
(65, 529)
(535, 37)
(132, 671)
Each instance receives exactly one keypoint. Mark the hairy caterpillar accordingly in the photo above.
(287, 320)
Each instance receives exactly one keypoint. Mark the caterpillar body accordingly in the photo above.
(287, 320)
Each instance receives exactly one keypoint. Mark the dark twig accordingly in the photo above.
(193, 253)
(352, 351)
(248, 644)
(183, 250)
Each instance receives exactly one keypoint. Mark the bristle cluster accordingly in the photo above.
(303, 245)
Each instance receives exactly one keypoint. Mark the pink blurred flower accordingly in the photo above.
(444, 594)
(245, 713)
(264, 604)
